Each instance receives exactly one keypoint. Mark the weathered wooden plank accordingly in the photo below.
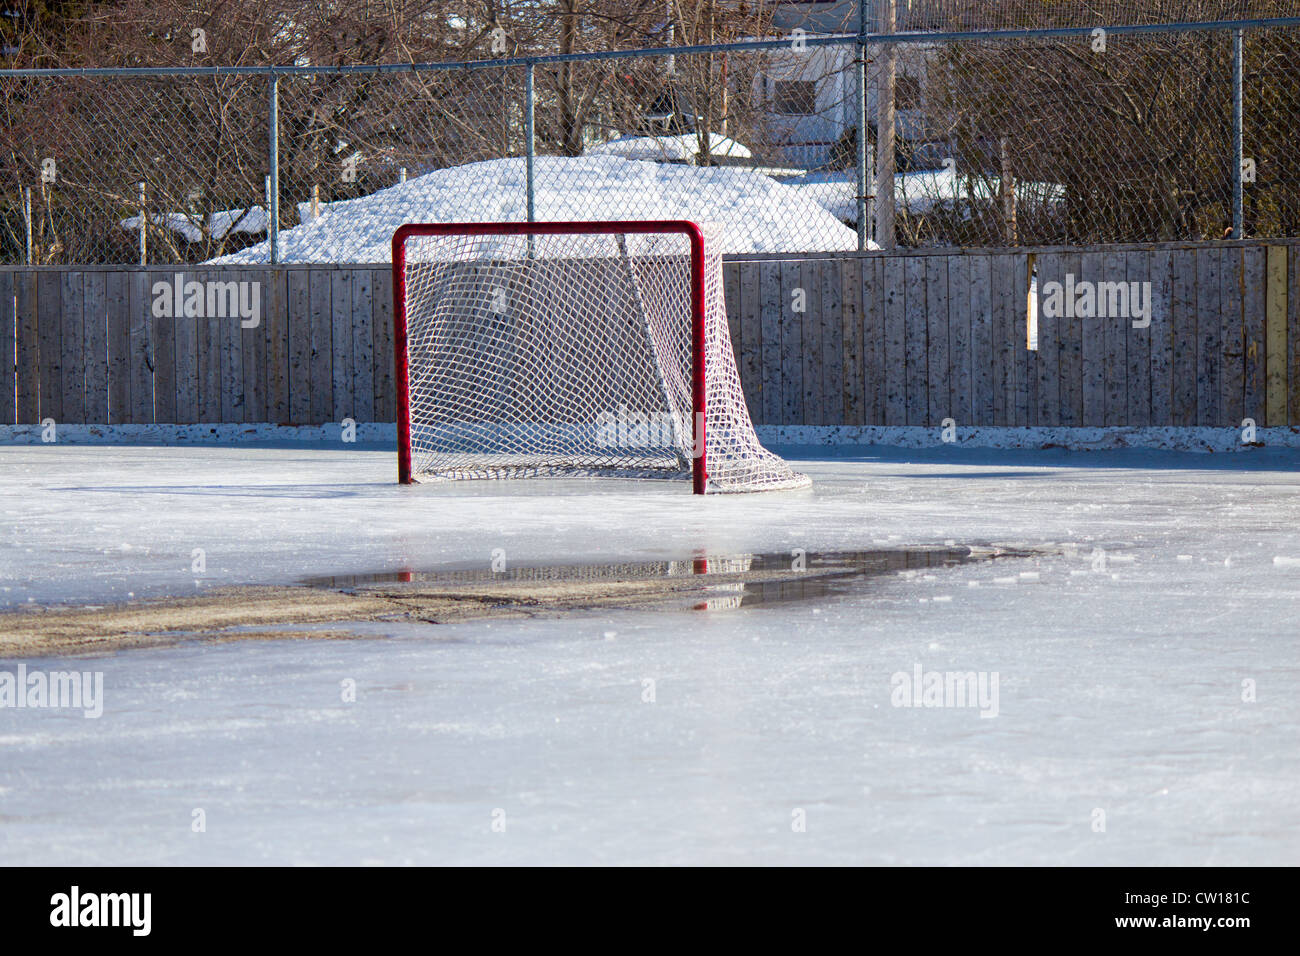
(849, 275)
(938, 398)
(49, 310)
(1137, 332)
(1057, 355)
(1253, 312)
(895, 311)
(1051, 321)
(252, 349)
(1279, 305)
(95, 346)
(1114, 329)
(1093, 336)
(277, 345)
(1070, 354)
(1000, 336)
(1161, 338)
(385, 392)
(140, 347)
(916, 340)
(208, 364)
(322, 353)
(300, 346)
(8, 338)
(188, 368)
(770, 310)
(1231, 337)
(191, 373)
(1182, 318)
(232, 355)
(1002, 273)
(171, 339)
(809, 355)
(981, 340)
(1291, 387)
(751, 336)
(341, 369)
(203, 384)
(960, 382)
(27, 349)
(214, 350)
(731, 304)
(117, 291)
(1208, 337)
(1026, 369)
(832, 335)
(873, 340)
(72, 297)
(363, 373)
(791, 346)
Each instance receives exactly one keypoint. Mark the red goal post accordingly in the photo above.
(693, 233)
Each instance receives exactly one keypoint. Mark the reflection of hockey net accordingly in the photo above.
(570, 349)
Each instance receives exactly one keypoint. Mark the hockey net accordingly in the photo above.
(570, 349)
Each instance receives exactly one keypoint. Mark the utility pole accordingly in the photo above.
(885, 88)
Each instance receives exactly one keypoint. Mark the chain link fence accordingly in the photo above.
(1044, 137)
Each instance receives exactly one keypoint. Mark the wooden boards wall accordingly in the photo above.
(907, 338)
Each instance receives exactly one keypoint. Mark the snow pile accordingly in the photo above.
(922, 191)
(681, 148)
(837, 193)
(220, 223)
(752, 213)
(917, 192)
(305, 213)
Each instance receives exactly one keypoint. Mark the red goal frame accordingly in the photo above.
(693, 232)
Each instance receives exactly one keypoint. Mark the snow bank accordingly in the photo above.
(220, 223)
(673, 148)
(752, 213)
(918, 192)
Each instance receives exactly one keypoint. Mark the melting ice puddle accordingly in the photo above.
(719, 582)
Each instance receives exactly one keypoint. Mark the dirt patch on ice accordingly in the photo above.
(438, 597)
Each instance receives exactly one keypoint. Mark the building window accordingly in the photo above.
(795, 97)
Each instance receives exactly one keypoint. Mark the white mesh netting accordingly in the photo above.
(570, 355)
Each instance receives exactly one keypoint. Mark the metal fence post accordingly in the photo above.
(1238, 145)
(864, 226)
(273, 165)
(529, 145)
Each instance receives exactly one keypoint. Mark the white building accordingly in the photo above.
(812, 93)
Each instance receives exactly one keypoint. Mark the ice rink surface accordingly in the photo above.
(1146, 665)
